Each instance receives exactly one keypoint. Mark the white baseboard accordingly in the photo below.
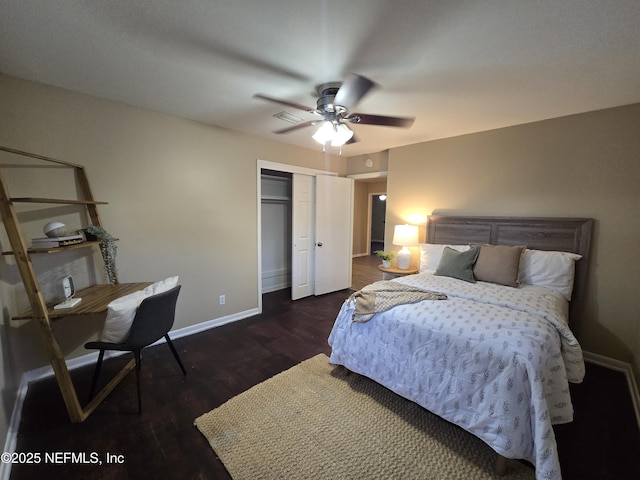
(274, 280)
(91, 359)
(275, 288)
(14, 424)
(217, 322)
(619, 366)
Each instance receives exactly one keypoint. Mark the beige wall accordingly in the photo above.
(379, 163)
(584, 165)
(360, 208)
(182, 200)
(362, 192)
(356, 166)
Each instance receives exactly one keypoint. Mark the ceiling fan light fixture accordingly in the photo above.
(341, 135)
(324, 134)
(337, 134)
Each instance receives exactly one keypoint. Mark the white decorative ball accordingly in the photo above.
(55, 229)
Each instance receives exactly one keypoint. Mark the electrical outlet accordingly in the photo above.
(222, 299)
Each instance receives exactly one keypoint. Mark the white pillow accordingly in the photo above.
(121, 311)
(162, 286)
(549, 269)
(431, 253)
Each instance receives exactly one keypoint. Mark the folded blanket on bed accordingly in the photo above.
(384, 295)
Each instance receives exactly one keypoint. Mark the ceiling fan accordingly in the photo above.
(334, 105)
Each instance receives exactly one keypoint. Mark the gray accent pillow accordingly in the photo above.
(498, 264)
(458, 264)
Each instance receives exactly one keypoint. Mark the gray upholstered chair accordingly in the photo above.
(153, 320)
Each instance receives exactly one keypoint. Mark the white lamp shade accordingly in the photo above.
(406, 236)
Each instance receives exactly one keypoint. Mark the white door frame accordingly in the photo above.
(281, 167)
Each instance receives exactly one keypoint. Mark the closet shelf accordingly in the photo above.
(275, 198)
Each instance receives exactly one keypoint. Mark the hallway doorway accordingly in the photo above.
(377, 221)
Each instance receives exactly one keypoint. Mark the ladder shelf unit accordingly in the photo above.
(94, 298)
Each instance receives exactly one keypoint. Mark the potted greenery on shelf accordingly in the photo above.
(108, 249)
(385, 256)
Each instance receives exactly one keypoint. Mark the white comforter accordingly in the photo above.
(494, 360)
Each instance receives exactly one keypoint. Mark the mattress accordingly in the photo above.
(495, 360)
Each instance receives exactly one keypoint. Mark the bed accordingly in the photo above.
(495, 355)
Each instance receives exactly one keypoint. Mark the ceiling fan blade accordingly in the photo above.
(353, 89)
(310, 123)
(285, 102)
(365, 119)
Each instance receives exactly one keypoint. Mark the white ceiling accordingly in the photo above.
(457, 66)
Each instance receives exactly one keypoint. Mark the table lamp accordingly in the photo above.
(405, 236)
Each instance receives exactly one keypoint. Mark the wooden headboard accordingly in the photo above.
(561, 234)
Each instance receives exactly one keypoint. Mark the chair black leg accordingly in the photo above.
(175, 353)
(96, 374)
(138, 365)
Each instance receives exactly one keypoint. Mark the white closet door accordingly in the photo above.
(302, 260)
(333, 233)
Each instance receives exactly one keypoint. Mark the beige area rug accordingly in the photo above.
(314, 421)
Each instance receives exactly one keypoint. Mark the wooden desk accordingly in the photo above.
(94, 300)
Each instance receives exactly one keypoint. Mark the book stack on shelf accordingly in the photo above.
(53, 242)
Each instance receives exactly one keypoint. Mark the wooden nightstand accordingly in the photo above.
(389, 273)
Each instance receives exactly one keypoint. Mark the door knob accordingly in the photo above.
(319, 244)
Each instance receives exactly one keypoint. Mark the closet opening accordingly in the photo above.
(276, 226)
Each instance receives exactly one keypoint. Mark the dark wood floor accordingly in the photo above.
(365, 271)
(162, 443)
